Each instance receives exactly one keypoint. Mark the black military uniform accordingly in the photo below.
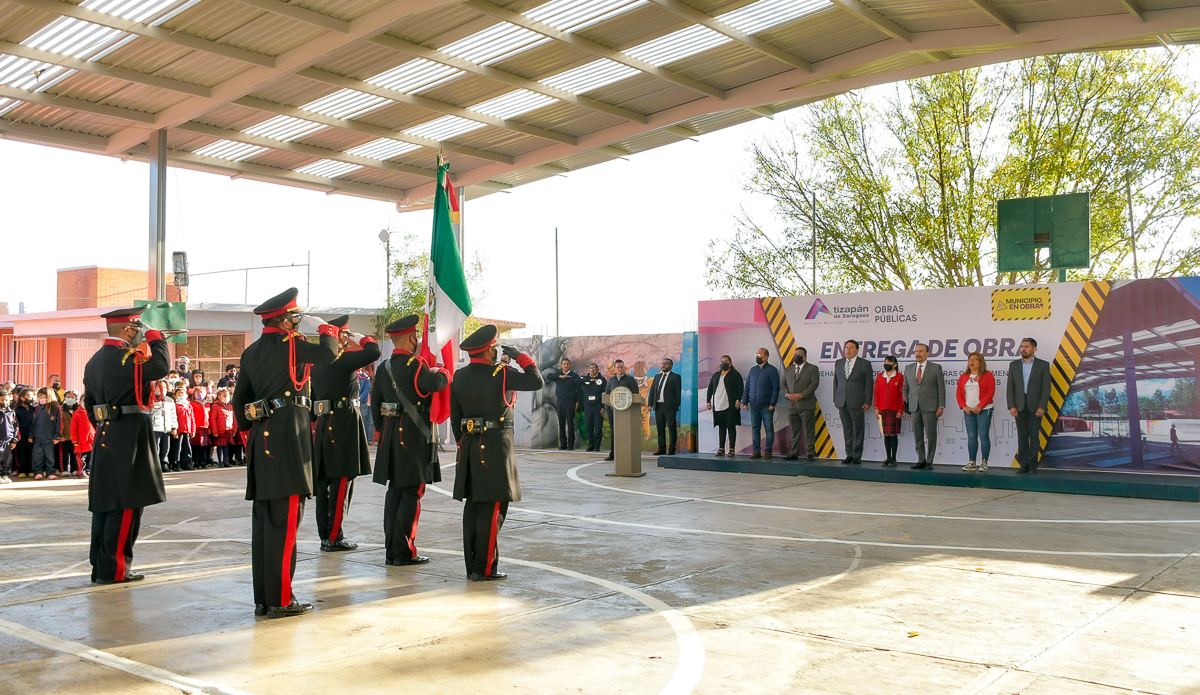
(407, 458)
(340, 451)
(568, 395)
(481, 417)
(592, 390)
(126, 475)
(628, 381)
(275, 381)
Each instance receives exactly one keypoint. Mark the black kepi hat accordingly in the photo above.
(480, 340)
(340, 321)
(278, 305)
(403, 326)
(126, 315)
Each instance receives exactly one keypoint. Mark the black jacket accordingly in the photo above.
(592, 390)
(566, 390)
(671, 398)
(405, 455)
(340, 446)
(487, 461)
(278, 448)
(25, 420)
(627, 381)
(126, 472)
(734, 386)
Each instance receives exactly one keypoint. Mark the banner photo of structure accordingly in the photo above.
(1103, 340)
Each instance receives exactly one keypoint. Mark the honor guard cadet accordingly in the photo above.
(481, 417)
(340, 448)
(272, 406)
(126, 473)
(401, 398)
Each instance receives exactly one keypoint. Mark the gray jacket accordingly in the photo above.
(930, 394)
(857, 390)
(1038, 394)
(802, 380)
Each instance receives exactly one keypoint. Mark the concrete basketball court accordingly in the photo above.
(677, 582)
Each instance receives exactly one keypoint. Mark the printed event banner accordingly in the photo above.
(1123, 361)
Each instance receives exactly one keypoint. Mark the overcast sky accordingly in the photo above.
(632, 234)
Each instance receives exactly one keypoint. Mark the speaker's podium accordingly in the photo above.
(626, 425)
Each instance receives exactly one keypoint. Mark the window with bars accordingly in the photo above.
(211, 353)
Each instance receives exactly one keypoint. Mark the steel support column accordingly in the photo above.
(157, 278)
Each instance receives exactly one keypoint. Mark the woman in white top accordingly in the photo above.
(976, 389)
(724, 399)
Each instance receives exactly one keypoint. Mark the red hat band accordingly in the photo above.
(280, 311)
(481, 350)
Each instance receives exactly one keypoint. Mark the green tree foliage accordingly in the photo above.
(906, 178)
(410, 283)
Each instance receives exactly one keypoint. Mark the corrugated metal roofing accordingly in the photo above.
(174, 62)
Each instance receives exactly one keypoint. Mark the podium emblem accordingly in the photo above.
(621, 398)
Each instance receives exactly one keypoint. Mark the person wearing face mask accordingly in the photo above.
(801, 379)
(724, 390)
(666, 395)
(47, 433)
(340, 451)
(126, 473)
(23, 454)
(224, 428)
(592, 391)
(181, 443)
(202, 439)
(56, 386)
(853, 387)
(164, 423)
(275, 384)
(9, 436)
(622, 378)
(889, 406)
(66, 447)
(82, 435)
(759, 396)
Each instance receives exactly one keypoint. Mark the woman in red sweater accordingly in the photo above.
(201, 441)
(222, 425)
(181, 446)
(889, 406)
(976, 389)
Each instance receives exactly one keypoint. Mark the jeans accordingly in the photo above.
(764, 416)
(979, 432)
(365, 411)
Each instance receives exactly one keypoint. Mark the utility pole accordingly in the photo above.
(557, 328)
(1132, 236)
(308, 280)
(812, 218)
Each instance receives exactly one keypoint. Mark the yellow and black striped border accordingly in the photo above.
(1070, 351)
(785, 342)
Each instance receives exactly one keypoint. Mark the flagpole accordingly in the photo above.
(462, 251)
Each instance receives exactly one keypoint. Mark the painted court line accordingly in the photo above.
(573, 474)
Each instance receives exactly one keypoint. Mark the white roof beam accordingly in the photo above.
(693, 15)
(40, 135)
(594, 48)
(434, 105)
(875, 19)
(176, 38)
(367, 129)
(1134, 9)
(508, 78)
(75, 104)
(300, 14)
(300, 148)
(371, 24)
(98, 68)
(996, 13)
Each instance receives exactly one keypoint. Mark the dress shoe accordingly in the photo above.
(766, 454)
(287, 611)
(848, 459)
(810, 457)
(756, 455)
(339, 546)
(414, 560)
(608, 458)
(1022, 471)
(921, 466)
(789, 457)
(259, 610)
(660, 452)
(670, 452)
(129, 577)
(856, 461)
(496, 576)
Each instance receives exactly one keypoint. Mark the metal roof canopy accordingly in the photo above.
(358, 96)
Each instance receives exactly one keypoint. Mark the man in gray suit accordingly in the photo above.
(801, 380)
(925, 399)
(1028, 396)
(853, 387)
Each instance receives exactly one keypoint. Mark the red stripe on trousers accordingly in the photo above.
(412, 539)
(337, 515)
(492, 539)
(285, 593)
(126, 522)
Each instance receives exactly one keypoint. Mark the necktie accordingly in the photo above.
(920, 371)
(662, 390)
(849, 366)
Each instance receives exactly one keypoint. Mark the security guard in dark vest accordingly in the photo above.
(401, 398)
(126, 474)
(272, 405)
(481, 417)
(593, 388)
(340, 448)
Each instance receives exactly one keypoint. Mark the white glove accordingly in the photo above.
(356, 337)
(310, 324)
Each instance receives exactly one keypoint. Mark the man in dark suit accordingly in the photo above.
(567, 394)
(666, 393)
(853, 386)
(1028, 396)
(801, 379)
(925, 399)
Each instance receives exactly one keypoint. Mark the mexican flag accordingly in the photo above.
(447, 302)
